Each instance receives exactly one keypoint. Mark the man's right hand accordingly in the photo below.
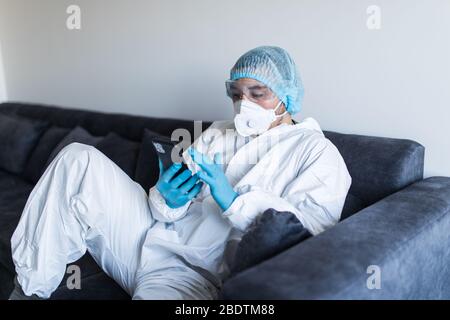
(179, 190)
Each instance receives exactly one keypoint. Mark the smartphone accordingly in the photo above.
(168, 152)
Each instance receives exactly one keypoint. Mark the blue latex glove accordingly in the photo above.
(213, 175)
(179, 190)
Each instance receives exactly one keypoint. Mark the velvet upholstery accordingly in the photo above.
(14, 193)
(97, 286)
(98, 123)
(121, 151)
(271, 233)
(78, 134)
(405, 235)
(7, 282)
(147, 168)
(37, 162)
(18, 138)
(395, 220)
(14, 190)
(378, 166)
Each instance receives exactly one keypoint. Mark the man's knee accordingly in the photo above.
(76, 151)
(76, 147)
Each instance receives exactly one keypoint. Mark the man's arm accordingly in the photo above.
(316, 196)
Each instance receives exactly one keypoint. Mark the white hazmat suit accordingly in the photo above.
(84, 201)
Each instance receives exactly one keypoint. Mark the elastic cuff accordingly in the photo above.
(161, 211)
(234, 214)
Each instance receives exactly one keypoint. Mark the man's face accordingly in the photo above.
(255, 91)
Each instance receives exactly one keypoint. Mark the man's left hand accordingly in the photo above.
(213, 175)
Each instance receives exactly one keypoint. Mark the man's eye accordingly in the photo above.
(257, 95)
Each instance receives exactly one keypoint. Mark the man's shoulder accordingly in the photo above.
(218, 128)
(309, 136)
(309, 124)
(222, 125)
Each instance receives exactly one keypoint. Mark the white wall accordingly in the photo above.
(170, 58)
(3, 93)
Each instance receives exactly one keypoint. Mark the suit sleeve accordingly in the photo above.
(316, 196)
(160, 210)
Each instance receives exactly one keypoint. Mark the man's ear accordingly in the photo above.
(281, 109)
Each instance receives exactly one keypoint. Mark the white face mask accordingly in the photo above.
(251, 119)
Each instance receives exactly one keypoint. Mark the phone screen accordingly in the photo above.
(164, 148)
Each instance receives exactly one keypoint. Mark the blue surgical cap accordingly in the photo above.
(273, 67)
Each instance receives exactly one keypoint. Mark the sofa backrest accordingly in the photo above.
(378, 166)
(98, 123)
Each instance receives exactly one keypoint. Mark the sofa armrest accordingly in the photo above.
(405, 234)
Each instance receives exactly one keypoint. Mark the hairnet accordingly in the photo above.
(273, 67)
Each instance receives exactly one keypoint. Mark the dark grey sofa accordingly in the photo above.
(392, 218)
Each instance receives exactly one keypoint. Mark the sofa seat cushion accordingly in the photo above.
(14, 193)
(95, 284)
(94, 287)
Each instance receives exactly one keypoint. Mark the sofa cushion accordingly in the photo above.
(18, 137)
(147, 169)
(78, 134)
(352, 205)
(7, 281)
(405, 236)
(378, 166)
(271, 233)
(88, 268)
(94, 287)
(122, 151)
(36, 165)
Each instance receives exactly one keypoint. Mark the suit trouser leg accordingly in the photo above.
(83, 201)
(164, 275)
